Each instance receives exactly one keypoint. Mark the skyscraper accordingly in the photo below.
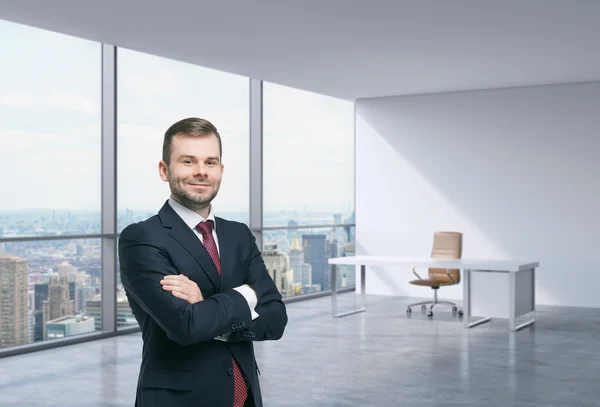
(296, 259)
(277, 264)
(59, 304)
(315, 255)
(14, 313)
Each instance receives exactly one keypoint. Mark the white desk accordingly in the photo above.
(521, 282)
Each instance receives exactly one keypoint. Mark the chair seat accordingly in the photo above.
(430, 283)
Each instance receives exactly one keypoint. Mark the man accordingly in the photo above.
(197, 285)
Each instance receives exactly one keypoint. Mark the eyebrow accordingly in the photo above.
(192, 157)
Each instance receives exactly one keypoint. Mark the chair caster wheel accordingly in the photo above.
(408, 310)
(430, 314)
(423, 308)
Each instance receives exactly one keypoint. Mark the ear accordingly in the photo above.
(163, 170)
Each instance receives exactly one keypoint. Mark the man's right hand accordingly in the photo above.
(182, 287)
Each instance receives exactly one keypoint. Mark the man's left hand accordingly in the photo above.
(182, 287)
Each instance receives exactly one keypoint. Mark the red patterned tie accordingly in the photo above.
(239, 393)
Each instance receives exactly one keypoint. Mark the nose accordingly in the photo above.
(200, 170)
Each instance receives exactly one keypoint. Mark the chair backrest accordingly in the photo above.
(446, 245)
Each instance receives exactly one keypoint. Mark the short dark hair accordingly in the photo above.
(192, 126)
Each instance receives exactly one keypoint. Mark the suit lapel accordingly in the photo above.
(185, 237)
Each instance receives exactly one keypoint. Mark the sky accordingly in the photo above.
(50, 103)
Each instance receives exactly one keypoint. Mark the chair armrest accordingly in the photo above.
(415, 273)
(451, 278)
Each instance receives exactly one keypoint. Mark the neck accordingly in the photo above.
(202, 210)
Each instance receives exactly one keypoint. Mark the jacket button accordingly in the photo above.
(230, 371)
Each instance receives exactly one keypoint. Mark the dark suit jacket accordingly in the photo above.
(182, 365)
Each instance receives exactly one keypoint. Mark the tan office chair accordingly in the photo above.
(446, 245)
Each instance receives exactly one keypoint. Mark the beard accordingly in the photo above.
(193, 200)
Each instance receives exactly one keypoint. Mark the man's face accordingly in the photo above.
(195, 171)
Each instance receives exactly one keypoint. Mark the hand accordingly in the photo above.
(182, 287)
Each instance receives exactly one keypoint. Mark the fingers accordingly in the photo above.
(175, 277)
(182, 287)
(177, 291)
(179, 281)
(181, 296)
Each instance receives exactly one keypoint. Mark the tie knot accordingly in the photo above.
(205, 228)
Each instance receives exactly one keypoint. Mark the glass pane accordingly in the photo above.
(308, 158)
(156, 92)
(125, 317)
(49, 289)
(50, 132)
(297, 258)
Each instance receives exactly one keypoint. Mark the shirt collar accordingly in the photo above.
(191, 218)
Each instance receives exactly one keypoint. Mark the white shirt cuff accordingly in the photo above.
(250, 297)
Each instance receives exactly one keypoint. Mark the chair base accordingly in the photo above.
(435, 301)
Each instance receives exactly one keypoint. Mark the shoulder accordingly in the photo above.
(234, 227)
(140, 231)
(231, 223)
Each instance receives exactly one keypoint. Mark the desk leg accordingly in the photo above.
(467, 303)
(363, 286)
(363, 293)
(333, 285)
(466, 297)
(512, 320)
(512, 304)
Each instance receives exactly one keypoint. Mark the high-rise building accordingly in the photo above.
(69, 326)
(31, 315)
(40, 295)
(125, 316)
(337, 233)
(296, 259)
(59, 304)
(14, 312)
(315, 254)
(306, 275)
(65, 269)
(277, 264)
(83, 294)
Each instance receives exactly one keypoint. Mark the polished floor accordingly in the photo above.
(380, 358)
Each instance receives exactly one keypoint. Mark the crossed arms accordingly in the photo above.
(144, 264)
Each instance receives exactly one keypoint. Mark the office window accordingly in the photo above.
(154, 93)
(296, 259)
(308, 158)
(50, 133)
(49, 289)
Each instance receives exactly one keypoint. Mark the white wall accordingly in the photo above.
(516, 170)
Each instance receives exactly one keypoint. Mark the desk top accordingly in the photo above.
(470, 264)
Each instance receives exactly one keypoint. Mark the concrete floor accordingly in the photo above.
(381, 358)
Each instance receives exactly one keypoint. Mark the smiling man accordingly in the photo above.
(197, 285)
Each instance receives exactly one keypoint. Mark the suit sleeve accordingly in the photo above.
(272, 320)
(143, 264)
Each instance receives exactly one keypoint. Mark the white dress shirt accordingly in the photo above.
(192, 219)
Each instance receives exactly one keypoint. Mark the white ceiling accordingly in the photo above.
(348, 48)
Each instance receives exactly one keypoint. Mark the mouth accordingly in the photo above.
(199, 184)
